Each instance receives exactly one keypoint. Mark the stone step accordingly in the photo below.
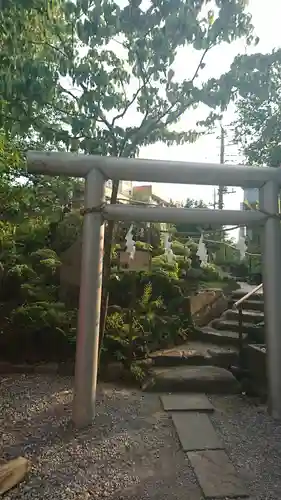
(248, 316)
(196, 379)
(196, 354)
(211, 335)
(249, 305)
(232, 326)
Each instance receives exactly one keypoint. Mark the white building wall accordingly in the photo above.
(251, 195)
(124, 192)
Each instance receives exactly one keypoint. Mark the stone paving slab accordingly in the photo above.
(186, 402)
(216, 474)
(195, 431)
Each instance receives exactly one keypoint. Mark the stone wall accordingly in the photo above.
(207, 305)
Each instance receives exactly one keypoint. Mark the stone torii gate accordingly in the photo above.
(97, 170)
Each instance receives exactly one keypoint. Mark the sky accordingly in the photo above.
(266, 19)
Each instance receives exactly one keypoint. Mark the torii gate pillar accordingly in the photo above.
(87, 348)
(271, 257)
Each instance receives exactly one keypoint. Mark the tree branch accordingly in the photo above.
(33, 42)
(143, 87)
(165, 113)
(128, 105)
(201, 62)
(105, 122)
(66, 91)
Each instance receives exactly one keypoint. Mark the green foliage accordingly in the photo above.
(180, 248)
(211, 272)
(73, 73)
(27, 74)
(137, 372)
(39, 331)
(38, 316)
(45, 259)
(21, 272)
(207, 273)
(171, 268)
(153, 306)
(256, 84)
(112, 67)
(147, 322)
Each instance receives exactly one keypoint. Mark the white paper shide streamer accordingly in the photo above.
(130, 243)
(202, 251)
(170, 256)
(242, 247)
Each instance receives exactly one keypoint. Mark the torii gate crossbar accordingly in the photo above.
(96, 170)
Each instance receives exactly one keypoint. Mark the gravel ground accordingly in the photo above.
(131, 451)
(253, 441)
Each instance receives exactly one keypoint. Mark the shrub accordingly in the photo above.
(180, 248)
(45, 261)
(39, 316)
(211, 272)
(156, 316)
(40, 331)
(160, 263)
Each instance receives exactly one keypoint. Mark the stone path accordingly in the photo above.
(185, 374)
(203, 447)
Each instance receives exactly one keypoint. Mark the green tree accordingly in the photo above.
(103, 80)
(26, 54)
(258, 90)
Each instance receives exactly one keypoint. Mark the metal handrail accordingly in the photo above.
(238, 305)
(247, 296)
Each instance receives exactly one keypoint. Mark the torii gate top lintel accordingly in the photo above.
(145, 170)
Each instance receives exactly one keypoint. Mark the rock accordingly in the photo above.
(207, 379)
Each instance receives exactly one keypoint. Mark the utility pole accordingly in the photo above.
(221, 189)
